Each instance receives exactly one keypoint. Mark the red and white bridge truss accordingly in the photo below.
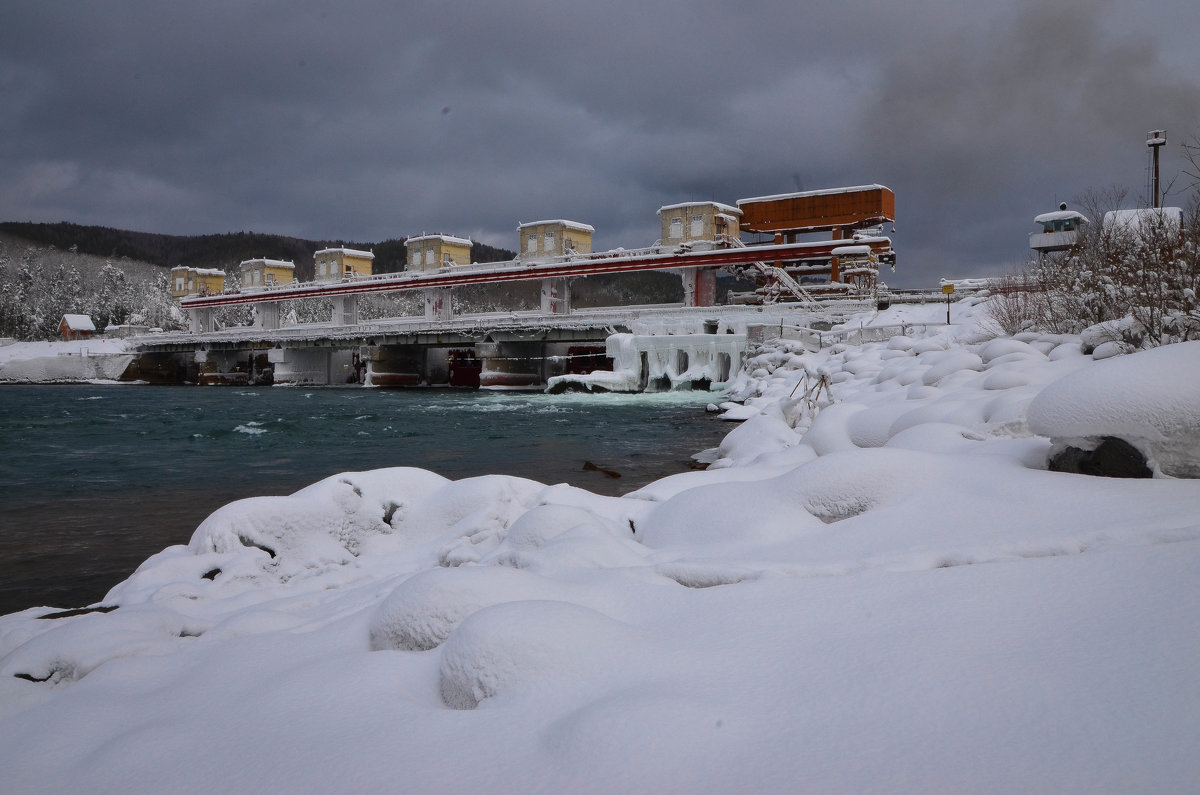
(698, 269)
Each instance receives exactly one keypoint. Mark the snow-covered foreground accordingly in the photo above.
(893, 596)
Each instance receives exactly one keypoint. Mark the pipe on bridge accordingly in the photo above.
(589, 266)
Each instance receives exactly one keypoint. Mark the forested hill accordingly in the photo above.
(215, 251)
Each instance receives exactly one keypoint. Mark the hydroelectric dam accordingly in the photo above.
(644, 347)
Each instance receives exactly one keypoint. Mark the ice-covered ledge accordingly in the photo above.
(661, 362)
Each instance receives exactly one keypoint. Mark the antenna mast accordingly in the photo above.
(1156, 141)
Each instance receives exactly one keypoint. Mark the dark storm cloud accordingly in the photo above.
(370, 120)
(999, 123)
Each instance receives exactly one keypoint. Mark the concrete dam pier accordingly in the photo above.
(603, 354)
(517, 358)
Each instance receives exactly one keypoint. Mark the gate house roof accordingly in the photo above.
(79, 322)
(349, 252)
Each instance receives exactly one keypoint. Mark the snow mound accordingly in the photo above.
(869, 593)
(74, 647)
(520, 646)
(471, 515)
(542, 524)
(731, 513)
(1005, 346)
(319, 526)
(841, 486)
(1150, 399)
(596, 743)
(830, 431)
(1119, 331)
(1004, 378)
(758, 434)
(556, 537)
(872, 426)
(76, 361)
(949, 364)
(423, 610)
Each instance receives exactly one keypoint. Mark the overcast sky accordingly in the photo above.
(365, 121)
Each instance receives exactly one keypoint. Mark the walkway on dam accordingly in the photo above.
(579, 324)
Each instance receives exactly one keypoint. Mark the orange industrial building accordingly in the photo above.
(841, 211)
(844, 213)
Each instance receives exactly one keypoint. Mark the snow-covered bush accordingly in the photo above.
(1139, 279)
(1017, 304)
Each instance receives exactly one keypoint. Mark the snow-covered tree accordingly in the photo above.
(1138, 272)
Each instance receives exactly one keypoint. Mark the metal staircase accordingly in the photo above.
(780, 277)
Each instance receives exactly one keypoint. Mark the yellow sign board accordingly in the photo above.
(947, 288)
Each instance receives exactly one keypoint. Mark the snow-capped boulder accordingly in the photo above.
(423, 610)
(762, 432)
(519, 646)
(322, 525)
(1150, 399)
(1127, 331)
(949, 365)
(1007, 346)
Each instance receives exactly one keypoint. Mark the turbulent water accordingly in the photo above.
(98, 478)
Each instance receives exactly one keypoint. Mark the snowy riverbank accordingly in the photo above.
(886, 591)
(72, 361)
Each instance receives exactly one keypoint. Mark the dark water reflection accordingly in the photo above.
(98, 478)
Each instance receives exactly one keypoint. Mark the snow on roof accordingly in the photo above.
(851, 251)
(1060, 215)
(802, 194)
(270, 263)
(349, 252)
(461, 241)
(199, 271)
(568, 224)
(79, 322)
(721, 208)
(1135, 219)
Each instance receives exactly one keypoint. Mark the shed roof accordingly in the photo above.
(1060, 215)
(198, 271)
(720, 208)
(270, 263)
(1142, 217)
(79, 322)
(349, 252)
(568, 224)
(802, 194)
(460, 241)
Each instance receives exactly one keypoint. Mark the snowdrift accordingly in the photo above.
(877, 585)
(64, 362)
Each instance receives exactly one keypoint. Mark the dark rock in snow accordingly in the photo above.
(1112, 458)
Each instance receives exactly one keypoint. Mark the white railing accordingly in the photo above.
(768, 316)
(817, 339)
(1052, 241)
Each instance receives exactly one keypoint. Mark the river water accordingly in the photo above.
(95, 479)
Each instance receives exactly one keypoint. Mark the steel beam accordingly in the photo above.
(516, 271)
